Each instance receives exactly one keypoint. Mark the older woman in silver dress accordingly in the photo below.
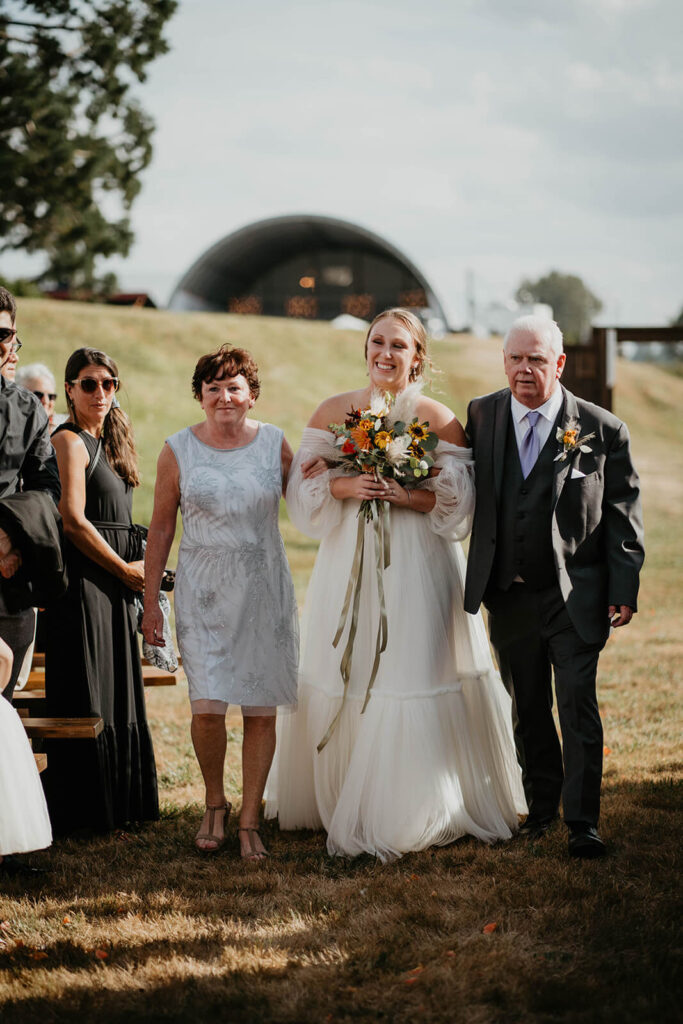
(236, 615)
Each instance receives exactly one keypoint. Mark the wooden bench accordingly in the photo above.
(151, 676)
(27, 698)
(41, 762)
(35, 681)
(62, 728)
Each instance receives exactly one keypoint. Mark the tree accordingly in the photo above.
(73, 140)
(574, 305)
(678, 322)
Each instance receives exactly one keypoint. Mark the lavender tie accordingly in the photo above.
(530, 446)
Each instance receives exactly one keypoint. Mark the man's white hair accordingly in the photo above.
(34, 371)
(540, 326)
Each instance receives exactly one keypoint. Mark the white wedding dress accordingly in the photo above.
(24, 821)
(432, 757)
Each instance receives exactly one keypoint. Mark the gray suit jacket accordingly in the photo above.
(597, 526)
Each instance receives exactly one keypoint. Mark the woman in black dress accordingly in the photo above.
(92, 659)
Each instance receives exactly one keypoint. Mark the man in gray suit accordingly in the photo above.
(555, 554)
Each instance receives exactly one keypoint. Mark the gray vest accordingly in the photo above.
(524, 540)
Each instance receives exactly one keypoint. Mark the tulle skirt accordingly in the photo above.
(432, 757)
(24, 821)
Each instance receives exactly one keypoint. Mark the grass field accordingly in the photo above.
(137, 926)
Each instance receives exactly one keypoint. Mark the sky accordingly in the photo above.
(500, 138)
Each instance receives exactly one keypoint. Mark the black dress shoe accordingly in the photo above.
(585, 842)
(537, 825)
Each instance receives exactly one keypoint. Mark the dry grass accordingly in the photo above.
(303, 937)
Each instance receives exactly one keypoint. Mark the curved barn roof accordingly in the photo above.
(236, 261)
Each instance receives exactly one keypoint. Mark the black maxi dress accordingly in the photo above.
(93, 668)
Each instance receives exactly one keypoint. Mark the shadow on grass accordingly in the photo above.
(305, 937)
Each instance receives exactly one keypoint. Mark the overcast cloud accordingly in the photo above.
(506, 136)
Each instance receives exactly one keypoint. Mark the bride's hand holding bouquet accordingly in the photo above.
(378, 448)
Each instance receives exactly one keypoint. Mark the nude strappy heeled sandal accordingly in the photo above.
(209, 834)
(253, 854)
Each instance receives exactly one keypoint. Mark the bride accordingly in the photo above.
(428, 756)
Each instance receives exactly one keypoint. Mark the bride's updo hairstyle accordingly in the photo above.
(117, 433)
(226, 362)
(417, 332)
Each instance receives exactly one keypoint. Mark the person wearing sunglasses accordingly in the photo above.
(12, 344)
(27, 463)
(39, 380)
(92, 660)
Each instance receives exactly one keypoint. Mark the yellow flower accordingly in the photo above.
(366, 424)
(569, 437)
(383, 438)
(417, 431)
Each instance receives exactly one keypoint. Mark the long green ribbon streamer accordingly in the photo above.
(382, 561)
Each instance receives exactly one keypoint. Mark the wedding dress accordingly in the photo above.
(24, 821)
(432, 757)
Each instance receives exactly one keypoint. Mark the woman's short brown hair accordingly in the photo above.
(226, 362)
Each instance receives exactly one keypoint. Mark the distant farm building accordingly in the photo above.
(305, 266)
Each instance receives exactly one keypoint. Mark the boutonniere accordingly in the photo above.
(571, 443)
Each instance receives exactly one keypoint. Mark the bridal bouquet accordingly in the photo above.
(376, 441)
(381, 440)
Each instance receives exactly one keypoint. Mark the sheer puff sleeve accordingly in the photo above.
(310, 504)
(454, 490)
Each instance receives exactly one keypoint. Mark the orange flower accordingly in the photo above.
(570, 436)
(366, 424)
(348, 448)
(361, 438)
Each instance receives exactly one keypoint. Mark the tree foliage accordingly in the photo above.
(73, 138)
(574, 305)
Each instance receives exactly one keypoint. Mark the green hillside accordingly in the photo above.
(301, 363)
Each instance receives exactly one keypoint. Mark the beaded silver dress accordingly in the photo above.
(236, 615)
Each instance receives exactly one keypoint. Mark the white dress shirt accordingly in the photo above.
(545, 421)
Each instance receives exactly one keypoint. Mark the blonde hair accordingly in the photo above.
(417, 332)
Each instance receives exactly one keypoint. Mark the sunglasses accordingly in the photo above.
(90, 384)
(45, 394)
(6, 334)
